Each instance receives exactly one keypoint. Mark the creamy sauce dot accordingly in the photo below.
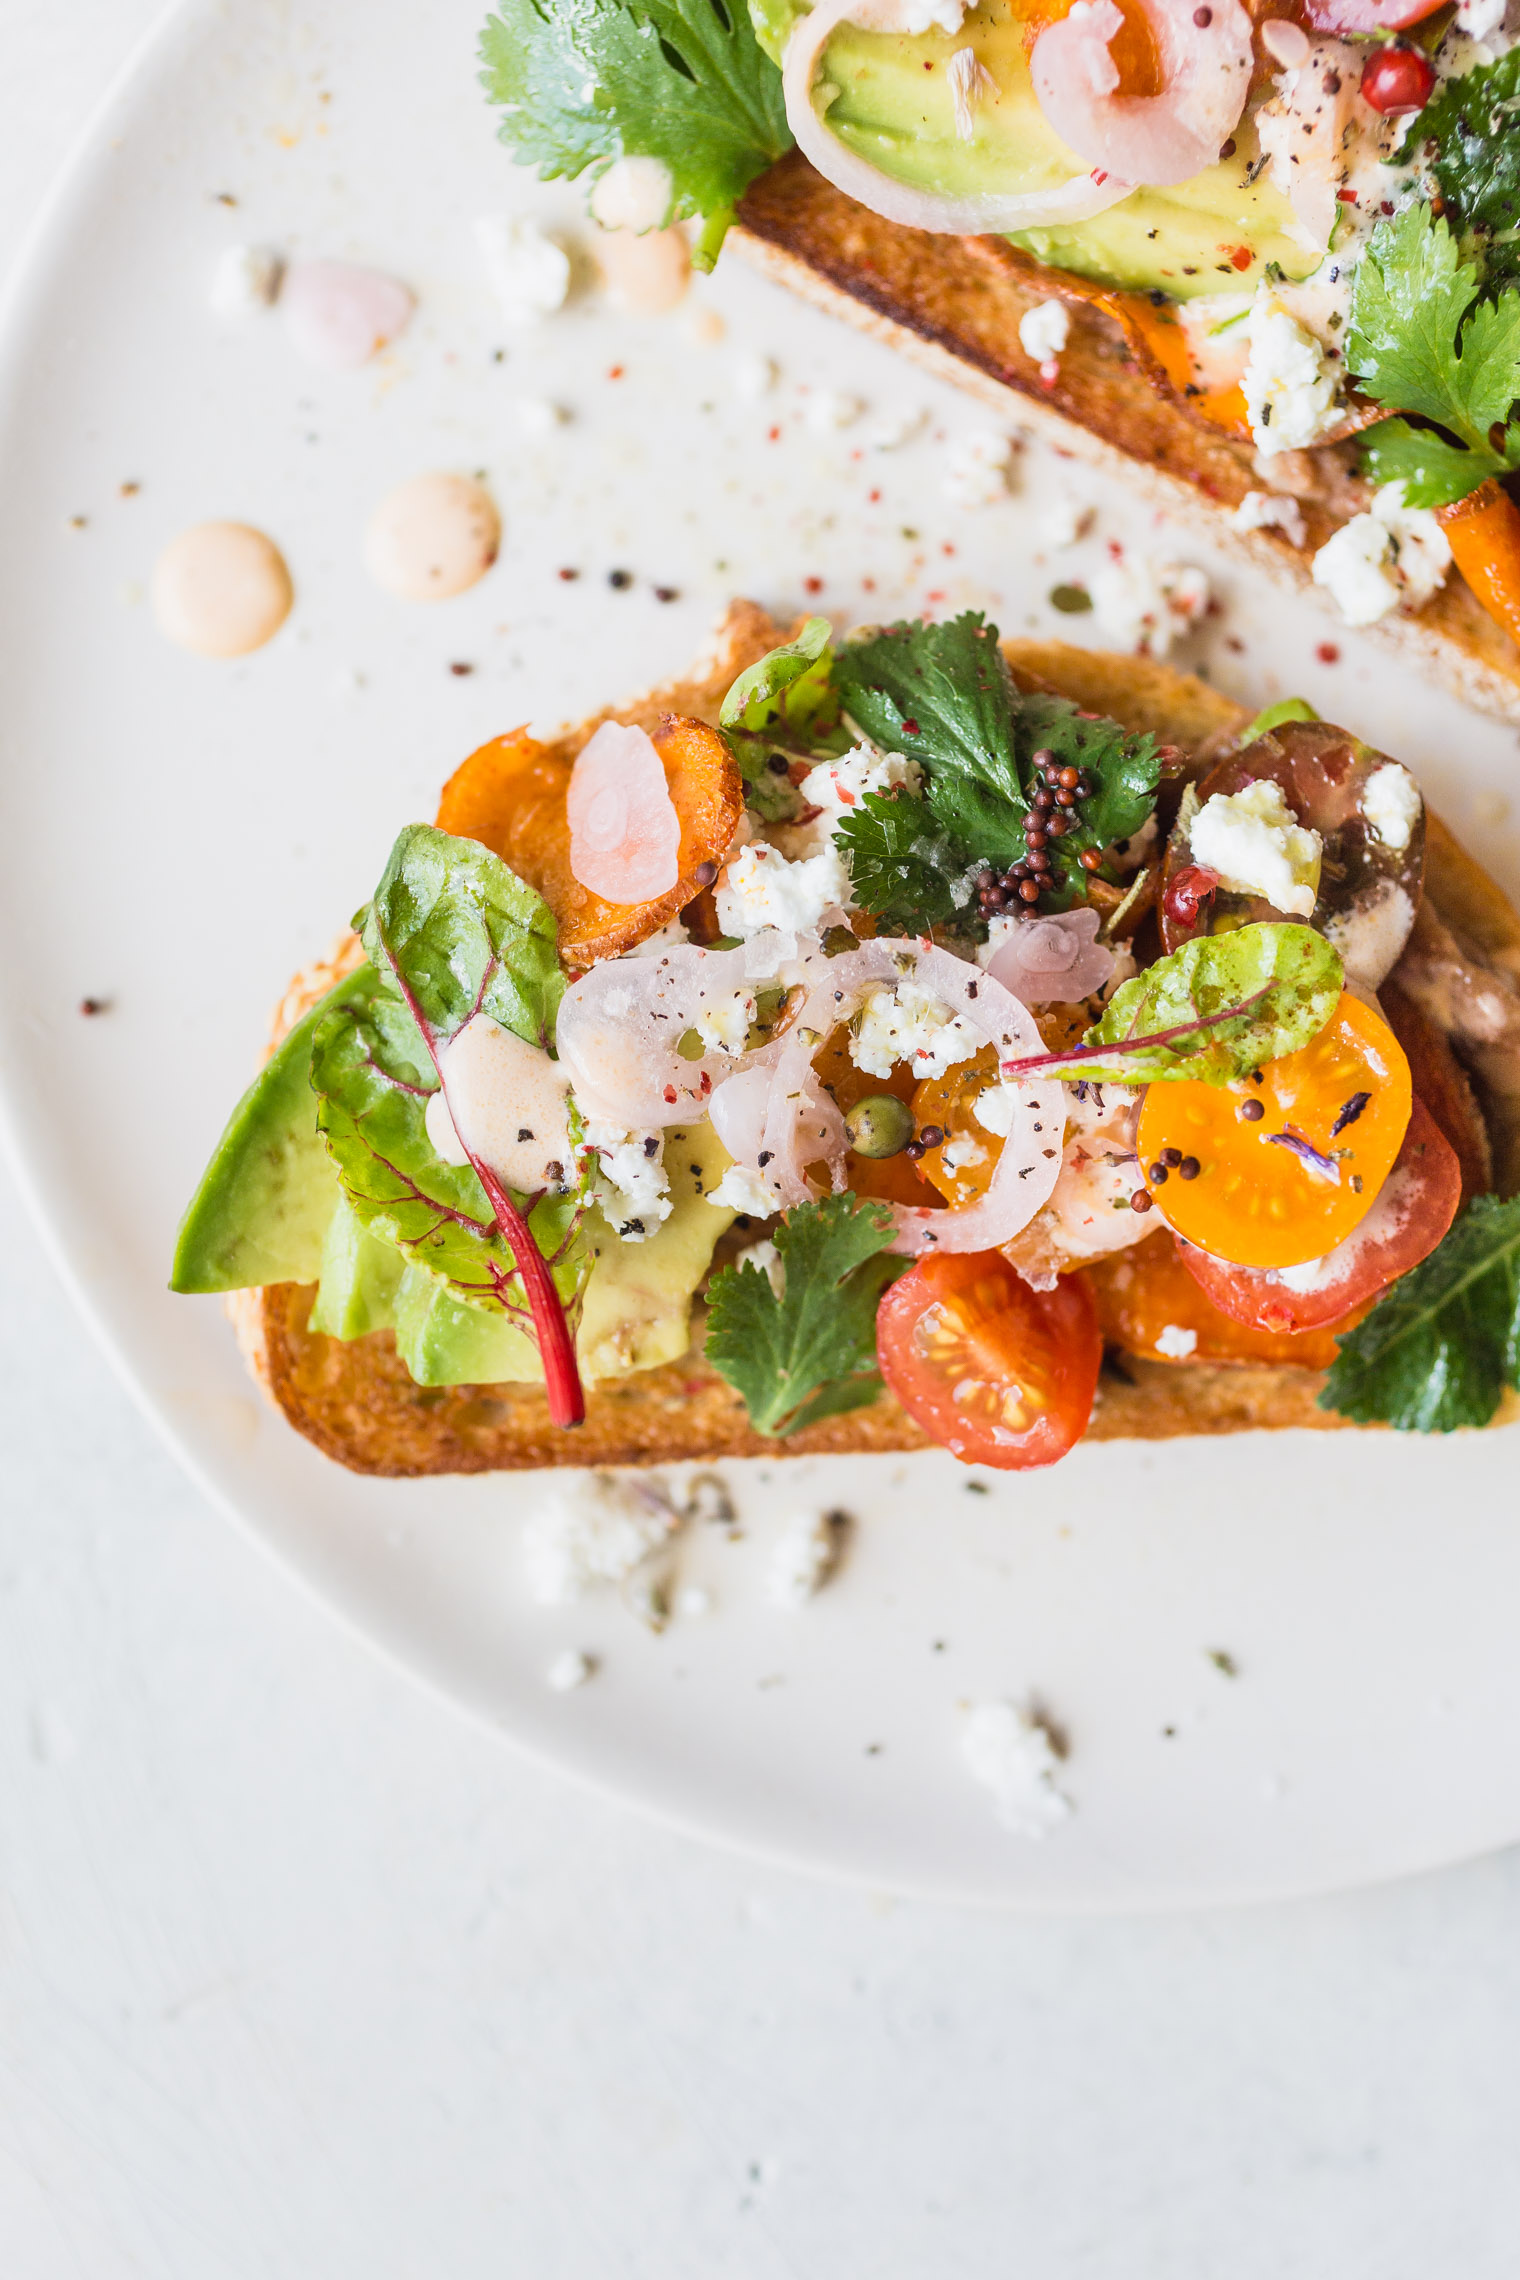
(340, 315)
(221, 589)
(432, 537)
(506, 1098)
(645, 275)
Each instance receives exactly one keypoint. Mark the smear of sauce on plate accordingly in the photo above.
(433, 537)
(645, 275)
(221, 589)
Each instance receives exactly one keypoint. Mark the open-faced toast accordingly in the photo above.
(1459, 985)
(954, 305)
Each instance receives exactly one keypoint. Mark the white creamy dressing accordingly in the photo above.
(508, 1101)
(645, 274)
(221, 589)
(433, 537)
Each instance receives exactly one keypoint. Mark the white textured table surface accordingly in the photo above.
(301, 1976)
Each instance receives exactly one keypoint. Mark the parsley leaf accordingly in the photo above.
(811, 1353)
(1415, 341)
(1440, 1346)
(943, 695)
(1475, 123)
(584, 82)
(905, 870)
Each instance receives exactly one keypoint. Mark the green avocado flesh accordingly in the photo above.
(270, 1209)
(893, 107)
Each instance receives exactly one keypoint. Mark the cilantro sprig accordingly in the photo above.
(810, 1353)
(1417, 341)
(943, 695)
(1473, 122)
(1440, 1346)
(583, 82)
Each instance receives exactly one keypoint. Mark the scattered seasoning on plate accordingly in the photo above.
(1327, 653)
(667, 593)
(90, 1006)
(620, 580)
(1071, 601)
(460, 669)
(568, 575)
(1225, 1664)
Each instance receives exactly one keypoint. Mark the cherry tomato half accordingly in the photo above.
(997, 1373)
(1281, 1170)
(1149, 1305)
(1415, 1206)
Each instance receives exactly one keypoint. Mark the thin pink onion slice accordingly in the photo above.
(625, 834)
(339, 314)
(1075, 200)
(1055, 960)
(1154, 139)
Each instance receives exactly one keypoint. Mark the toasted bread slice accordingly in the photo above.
(358, 1403)
(954, 305)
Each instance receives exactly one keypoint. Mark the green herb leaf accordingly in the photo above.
(462, 935)
(906, 871)
(787, 688)
(1127, 770)
(1442, 1344)
(1213, 1011)
(811, 1353)
(1474, 121)
(942, 695)
(584, 82)
(1415, 342)
(1274, 716)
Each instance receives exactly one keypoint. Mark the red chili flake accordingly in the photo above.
(812, 585)
(1241, 257)
(91, 1006)
(568, 575)
(615, 372)
(773, 435)
(873, 498)
(670, 1095)
(946, 547)
(910, 728)
(460, 670)
(1347, 197)
(1328, 654)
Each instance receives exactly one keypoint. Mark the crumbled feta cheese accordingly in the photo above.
(247, 278)
(902, 1021)
(529, 270)
(760, 888)
(889, 431)
(1289, 389)
(1392, 805)
(970, 83)
(633, 194)
(1175, 1342)
(805, 1557)
(1477, 18)
(1009, 1750)
(743, 1191)
(568, 1671)
(959, 1155)
(1044, 331)
(592, 1529)
(537, 415)
(768, 1259)
(754, 377)
(828, 409)
(1145, 605)
(837, 787)
(993, 1109)
(1064, 521)
(724, 1023)
(631, 1184)
(1393, 554)
(1271, 510)
(691, 1599)
(977, 469)
(1257, 845)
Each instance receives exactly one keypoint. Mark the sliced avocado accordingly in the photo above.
(361, 1275)
(262, 1210)
(894, 108)
(444, 1342)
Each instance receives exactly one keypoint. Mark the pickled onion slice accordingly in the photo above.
(1076, 200)
(1046, 961)
(625, 834)
(1154, 139)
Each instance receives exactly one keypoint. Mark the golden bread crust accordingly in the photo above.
(357, 1402)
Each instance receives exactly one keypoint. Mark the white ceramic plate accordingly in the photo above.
(179, 836)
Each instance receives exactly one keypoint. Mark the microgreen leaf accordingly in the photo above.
(1442, 1344)
(1474, 122)
(811, 1353)
(583, 82)
(1214, 1010)
(906, 871)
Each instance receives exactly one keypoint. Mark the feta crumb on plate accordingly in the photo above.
(890, 430)
(1044, 331)
(1145, 605)
(592, 1529)
(1271, 510)
(529, 270)
(977, 468)
(1065, 520)
(1009, 1750)
(830, 408)
(806, 1556)
(537, 415)
(568, 1671)
(247, 279)
(1393, 556)
(1257, 845)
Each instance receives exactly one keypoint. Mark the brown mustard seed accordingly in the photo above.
(1157, 1174)
(1252, 1111)
(1028, 891)
(1140, 1200)
(1171, 1157)
(1091, 858)
(1189, 1168)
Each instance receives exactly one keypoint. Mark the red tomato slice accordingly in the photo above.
(1369, 15)
(1414, 1207)
(997, 1373)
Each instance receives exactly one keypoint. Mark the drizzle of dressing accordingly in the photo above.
(645, 275)
(221, 589)
(432, 537)
(340, 315)
(508, 1099)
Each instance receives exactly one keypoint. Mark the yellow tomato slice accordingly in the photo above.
(1287, 1166)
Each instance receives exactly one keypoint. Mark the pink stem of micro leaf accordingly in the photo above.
(562, 1378)
(1040, 1061)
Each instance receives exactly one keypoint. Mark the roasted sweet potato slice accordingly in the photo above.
(510, 795)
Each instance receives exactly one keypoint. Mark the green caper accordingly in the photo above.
(879, 1125)
(690, 1046)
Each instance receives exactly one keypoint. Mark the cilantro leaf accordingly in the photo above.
(1440, 1346)
(1474, 124)
(1416, 342)
(941, 694)
(584, 82)
(1214, 1010)
(905, 871)
(811, 1353)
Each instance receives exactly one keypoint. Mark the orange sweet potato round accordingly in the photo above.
(510, 795)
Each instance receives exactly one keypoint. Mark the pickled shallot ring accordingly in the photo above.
(1155, 139)
(1077, 199)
